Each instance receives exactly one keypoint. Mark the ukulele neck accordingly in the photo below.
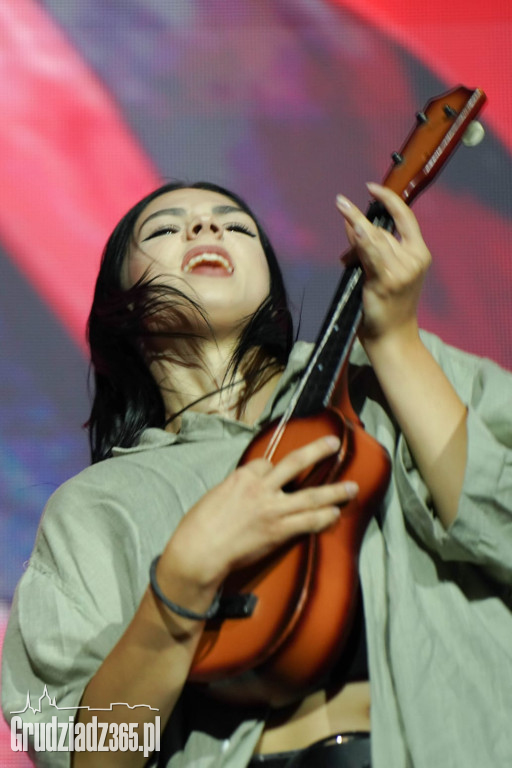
(333, 345)
(337, 334)
(439, 129)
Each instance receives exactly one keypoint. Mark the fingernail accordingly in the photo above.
(333, 442)
(358, 229)
(351, 489)
(371, 185)
(342, 202)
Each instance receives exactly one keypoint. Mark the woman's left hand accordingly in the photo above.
(395, 266)
(427, 409)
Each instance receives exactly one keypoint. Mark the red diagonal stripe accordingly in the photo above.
(70, 166)
(461, 41)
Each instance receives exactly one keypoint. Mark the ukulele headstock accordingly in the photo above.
(439, 129)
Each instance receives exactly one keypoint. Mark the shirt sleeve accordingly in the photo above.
(71, 606)
(45, 673)
(482, 531)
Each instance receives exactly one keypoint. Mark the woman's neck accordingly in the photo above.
(207, 386)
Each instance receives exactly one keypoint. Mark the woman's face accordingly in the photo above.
(202, 243)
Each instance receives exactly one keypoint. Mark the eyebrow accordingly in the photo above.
(220, 209)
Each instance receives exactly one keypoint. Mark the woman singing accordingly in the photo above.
(192, 353)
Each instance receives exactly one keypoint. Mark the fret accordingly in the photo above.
(333, 345)
(337, 334)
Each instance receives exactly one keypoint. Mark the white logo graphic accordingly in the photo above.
(58, 735)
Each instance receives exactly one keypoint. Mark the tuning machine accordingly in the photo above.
(473, 134)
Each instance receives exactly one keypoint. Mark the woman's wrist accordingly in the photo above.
(181, 610)
(396, 345)
(185, 581)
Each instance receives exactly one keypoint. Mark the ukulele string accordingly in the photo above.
(287, 415)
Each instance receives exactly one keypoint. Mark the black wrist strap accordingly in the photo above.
(178, 609)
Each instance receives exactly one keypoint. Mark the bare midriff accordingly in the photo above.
(319, 715)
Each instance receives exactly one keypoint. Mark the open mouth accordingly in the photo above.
(210, 261)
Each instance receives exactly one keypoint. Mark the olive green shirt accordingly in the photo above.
(437, 602)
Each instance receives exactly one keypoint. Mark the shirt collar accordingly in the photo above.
(198, 426)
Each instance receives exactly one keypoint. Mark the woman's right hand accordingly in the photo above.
(244, 518)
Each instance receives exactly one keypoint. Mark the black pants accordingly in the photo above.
(346, 750)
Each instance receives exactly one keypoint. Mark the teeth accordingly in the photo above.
(208, 258)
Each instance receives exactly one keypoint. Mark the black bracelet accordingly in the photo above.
(210, 613)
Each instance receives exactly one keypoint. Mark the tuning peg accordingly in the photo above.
(474, 134)
(450, 111)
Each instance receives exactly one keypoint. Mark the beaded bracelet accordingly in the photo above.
(209, 614)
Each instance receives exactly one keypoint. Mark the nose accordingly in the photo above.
(200, 225)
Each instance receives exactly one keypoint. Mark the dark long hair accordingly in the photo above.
(127, 399)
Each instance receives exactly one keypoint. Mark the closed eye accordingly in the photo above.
(169, 229)
(236, 227)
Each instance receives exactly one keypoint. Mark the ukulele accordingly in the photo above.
(283, 622)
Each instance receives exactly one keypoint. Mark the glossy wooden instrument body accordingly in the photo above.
(304, 594)
(307, 590)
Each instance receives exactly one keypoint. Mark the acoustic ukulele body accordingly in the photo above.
(306, 592)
